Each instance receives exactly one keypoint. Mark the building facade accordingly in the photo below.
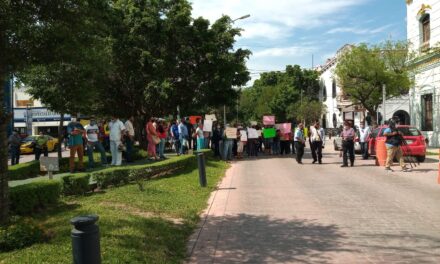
(31, 117)
(423, 29)
(338, 106)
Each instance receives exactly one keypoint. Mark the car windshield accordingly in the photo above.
(409, 131)
(28, 139)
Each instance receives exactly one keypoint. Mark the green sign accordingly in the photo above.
(269, 132)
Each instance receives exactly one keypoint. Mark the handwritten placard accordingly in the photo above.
(231, 132)
(210, 117)
(284, 128)
(268, 120)
(252, 133)
(259, 133)
(207, 125)
(243, 135)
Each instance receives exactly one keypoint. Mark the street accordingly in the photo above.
(30, 157)
(272, 210)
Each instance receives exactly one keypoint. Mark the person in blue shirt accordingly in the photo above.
(300, 142)
(393, 144)
(174, 131)
(183, 137)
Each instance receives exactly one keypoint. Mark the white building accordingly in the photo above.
(338, 106)
(423, 27)
(31, 117)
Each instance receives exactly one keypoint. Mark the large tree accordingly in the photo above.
(163, 58)
(363, 70)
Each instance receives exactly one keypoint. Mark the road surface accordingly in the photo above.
(273, 210)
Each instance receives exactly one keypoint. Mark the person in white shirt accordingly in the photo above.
(117, 129)
(129, 138)
(317, 139)
(92, 132)
(200, 137)
(364, 131)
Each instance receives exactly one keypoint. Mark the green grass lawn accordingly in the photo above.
(151, 226)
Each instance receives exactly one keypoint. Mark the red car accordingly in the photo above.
(414, 145)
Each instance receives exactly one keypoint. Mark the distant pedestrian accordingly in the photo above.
(152, 138)
(317, 138)
(14, 143)
(299, 143)
(227, 146)
(216, 138)
(348, 136)
(183, 137)
(76, 144)
(393, 144)
(200, 137)
(92, 135)
(364, 131)
(129, 139)
(174, 132)
(162, 134)
(117, 130)
(190, 129)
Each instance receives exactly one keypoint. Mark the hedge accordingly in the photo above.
(74, 184)
(31, 197)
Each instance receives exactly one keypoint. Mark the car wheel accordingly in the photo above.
(420, 158)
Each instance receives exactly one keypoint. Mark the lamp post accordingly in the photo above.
(224, 106)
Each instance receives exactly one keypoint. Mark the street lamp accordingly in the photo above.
(224, 106)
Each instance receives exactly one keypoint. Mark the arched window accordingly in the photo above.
(425, 27)
(334, 88)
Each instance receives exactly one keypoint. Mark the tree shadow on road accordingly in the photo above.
(261, 239)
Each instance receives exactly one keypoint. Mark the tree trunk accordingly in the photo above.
(60, 135)
(4, 177)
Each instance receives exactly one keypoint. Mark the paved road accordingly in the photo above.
(272, 210)
(30, 157)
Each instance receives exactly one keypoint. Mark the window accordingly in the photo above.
(427, 112)
(334, 89)
(324, 93)
(426, 32)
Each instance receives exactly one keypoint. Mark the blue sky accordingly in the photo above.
(282, 32)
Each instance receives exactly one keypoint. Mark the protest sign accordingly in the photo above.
(268, 120)
(210, 117)
(269, 132)
(207, 125)
(252, 133)
(193, 119)
(259, 133)
(284, 128)
(254, 123)
(243, 135)
(231, 132)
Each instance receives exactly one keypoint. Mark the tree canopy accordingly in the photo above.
(280, 94)
(363, 70)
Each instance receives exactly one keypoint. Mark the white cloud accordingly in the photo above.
(294, 51)
(276, 18)
(359, 31)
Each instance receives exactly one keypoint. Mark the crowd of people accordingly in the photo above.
(118, 138)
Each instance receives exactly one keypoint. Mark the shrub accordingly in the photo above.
(24, 170)
(30, 197)
(76, 184)
(19, 234)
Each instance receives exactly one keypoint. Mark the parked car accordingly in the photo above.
(337, 144)
(28, 143)
(414, 145)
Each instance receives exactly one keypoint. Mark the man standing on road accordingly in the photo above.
(76, 132)
(393, 144)
(129, 138)
(317, 137)
(14, 142)
(364, 131)
(348, 135)
(299, 143)
(92, 132)
(117, 129)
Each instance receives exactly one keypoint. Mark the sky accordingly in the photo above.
(288, 32)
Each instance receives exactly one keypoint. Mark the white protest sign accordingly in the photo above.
(243, 135)
(210, 117)
(252, 133)
(207, 125)
(231, 132)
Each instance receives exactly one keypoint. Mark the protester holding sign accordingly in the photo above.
(228, 141)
